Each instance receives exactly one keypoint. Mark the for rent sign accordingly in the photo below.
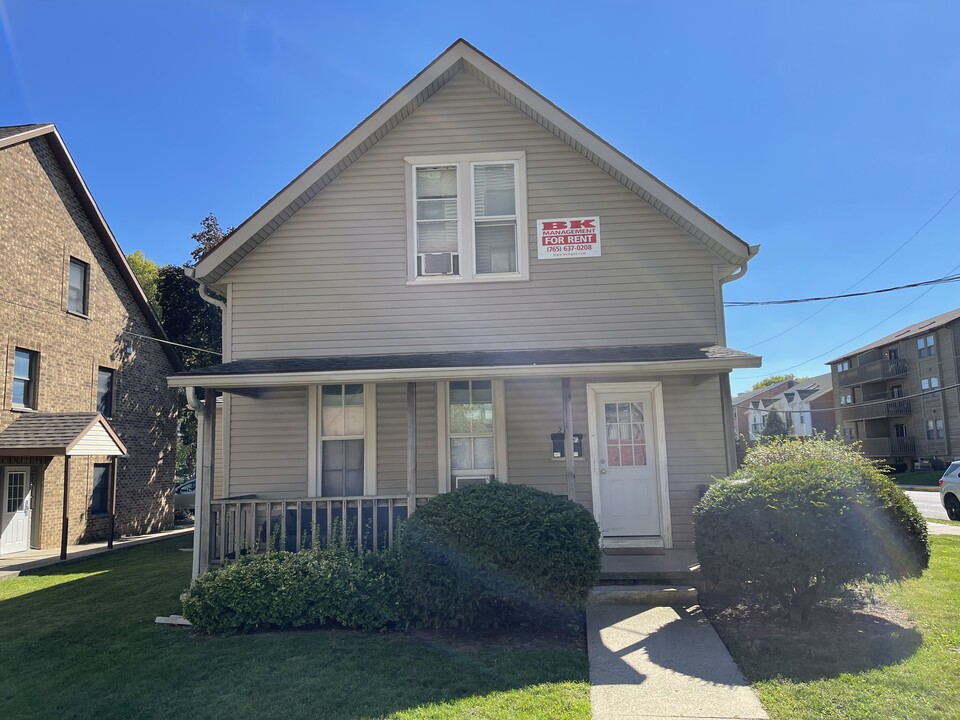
(568, 237)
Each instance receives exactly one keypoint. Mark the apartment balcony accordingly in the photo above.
(873, 371)
(889, 447)
(873, 410)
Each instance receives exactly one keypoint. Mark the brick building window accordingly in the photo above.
(927, 347)
(26, 365)
(78, 287)
(99, 495)
(105, 392)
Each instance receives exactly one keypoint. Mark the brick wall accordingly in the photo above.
(43, 225)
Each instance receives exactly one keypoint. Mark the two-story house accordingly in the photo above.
(898, 396)
(806, 408)
(87, 424)
(745, 404)
(469, 287)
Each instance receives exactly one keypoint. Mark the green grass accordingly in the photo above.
(867, 669)
(929, 478)
(79, 641)
(938, 521)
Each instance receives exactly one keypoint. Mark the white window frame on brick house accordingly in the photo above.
(317, 435)
(78, 294)
(464, 270)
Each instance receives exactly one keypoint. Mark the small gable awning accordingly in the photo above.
(60, 434)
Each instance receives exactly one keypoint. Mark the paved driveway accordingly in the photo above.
(928, 503)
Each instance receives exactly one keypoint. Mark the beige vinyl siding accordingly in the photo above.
(392, 438)
(692, 422)
(333, 278)
(96, 442)
(268, 444)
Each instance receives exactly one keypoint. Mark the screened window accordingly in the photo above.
(105, 392)
(468, 220)
(77, 291)
(342, 426)
(471, 428)
(25, 368)
(100, 492)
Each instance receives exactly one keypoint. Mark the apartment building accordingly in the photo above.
(899, 395)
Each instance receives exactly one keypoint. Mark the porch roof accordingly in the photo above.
(37, 434)
(683, 357)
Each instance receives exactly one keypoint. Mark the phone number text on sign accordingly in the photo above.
(568, 237)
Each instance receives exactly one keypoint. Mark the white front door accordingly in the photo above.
(627, 442)
(15, 518)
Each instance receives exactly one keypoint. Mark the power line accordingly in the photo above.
(169, 342)
(877, 267)
(855, 337)
(754, 303)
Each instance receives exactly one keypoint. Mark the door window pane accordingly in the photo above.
(625, 434)
(16, 491)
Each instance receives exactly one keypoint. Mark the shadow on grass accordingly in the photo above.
(96, 636)
(839, 641)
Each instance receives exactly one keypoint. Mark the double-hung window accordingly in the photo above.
(342, 428)
(78, 287)
(935, 430)
(467, 218)
(25, 368)
(471, 429)
(927, 346)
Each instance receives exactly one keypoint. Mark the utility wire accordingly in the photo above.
(877, 267)
(855, 337)
(860, 404)
(754, 303)
(169, 342)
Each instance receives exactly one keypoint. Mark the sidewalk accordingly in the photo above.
(939, 529)
(662, 663)
(12, 565)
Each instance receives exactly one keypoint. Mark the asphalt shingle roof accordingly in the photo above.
(47, 431)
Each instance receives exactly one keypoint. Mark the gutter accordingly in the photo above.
(742, 268)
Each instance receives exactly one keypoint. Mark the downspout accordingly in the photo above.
(205, 291)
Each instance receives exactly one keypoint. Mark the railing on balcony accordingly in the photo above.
(889, 447)
(874, 409)
(243, 526)
(873, 371)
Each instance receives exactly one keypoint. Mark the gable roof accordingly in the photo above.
(48, 434)
(15, 134)
(918, 328)
(463, 57)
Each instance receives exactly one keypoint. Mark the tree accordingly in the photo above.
(146, 271)
(209, 237)
(774, 379)
(775, 426)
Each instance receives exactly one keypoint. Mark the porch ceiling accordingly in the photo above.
(674, 358)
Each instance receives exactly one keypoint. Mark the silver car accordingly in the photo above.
(950, 490)
(183, 496)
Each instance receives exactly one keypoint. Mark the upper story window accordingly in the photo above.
(467, 218)
(893, 353)
(105, 392)
(927, 346)
(78, 287)
(844, 365)
(26, 365)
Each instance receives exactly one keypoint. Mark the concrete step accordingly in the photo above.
(664, 577)
(647, 594)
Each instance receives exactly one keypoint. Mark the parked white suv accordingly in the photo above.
(950, 490)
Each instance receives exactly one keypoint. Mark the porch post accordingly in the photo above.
(204, 493)
(65, 521)
(112, 500)
(568, 439)
(411, 447)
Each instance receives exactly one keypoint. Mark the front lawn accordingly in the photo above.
(79, 641)
(929, 478)
(897, 659)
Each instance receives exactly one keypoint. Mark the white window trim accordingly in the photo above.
(443, 434)
(315, 457)
(466, 247)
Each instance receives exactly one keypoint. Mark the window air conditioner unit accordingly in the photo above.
(463, 481)
(438, 263)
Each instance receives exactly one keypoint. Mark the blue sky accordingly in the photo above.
(826, 132)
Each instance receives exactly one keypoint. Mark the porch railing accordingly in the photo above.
(240, 526)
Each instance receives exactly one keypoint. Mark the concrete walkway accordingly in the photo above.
(662, 663)
(12, 565)
(939, 529)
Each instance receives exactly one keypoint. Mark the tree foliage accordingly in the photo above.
(774, 379)
(146, 271)
(775, 426)
(209, 237)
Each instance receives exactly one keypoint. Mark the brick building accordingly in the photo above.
(78, 338)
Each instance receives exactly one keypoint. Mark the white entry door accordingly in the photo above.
(627, 473)
(15, 518)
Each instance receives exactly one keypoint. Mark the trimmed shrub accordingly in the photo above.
(493, 555)
(803, 518)
(281, 589)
